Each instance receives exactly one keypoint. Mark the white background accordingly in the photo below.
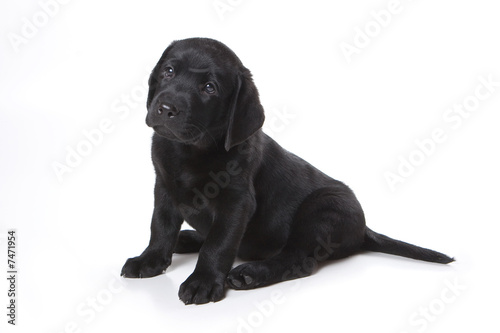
(353, 120)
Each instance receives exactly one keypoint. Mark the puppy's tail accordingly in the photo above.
(380, 243)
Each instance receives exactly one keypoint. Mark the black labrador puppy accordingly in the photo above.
(243, 194)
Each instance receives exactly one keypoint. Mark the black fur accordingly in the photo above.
(243, 194)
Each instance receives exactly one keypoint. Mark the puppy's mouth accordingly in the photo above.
(190, 135)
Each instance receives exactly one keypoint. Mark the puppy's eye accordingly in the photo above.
(169, 72)
(209, 88)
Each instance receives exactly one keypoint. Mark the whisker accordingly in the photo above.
(206, 132)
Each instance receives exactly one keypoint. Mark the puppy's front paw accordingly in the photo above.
(201, 288)
(145, 266)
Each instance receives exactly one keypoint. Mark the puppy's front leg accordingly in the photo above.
(165, 226)
(206, 283)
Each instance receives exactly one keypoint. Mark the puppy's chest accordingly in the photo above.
(185, 180)
(196, 196)
(196, 183)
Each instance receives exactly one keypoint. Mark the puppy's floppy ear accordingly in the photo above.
(155, 76)
(246, 114)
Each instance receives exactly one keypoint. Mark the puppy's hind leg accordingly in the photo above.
(328, 225)
(284, 266)
(189, 241)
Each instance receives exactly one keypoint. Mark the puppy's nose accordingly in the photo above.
(168, 109)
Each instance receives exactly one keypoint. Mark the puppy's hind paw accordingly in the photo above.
(240, 282)
(247, 276)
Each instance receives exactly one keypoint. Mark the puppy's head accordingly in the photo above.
(201, 94)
